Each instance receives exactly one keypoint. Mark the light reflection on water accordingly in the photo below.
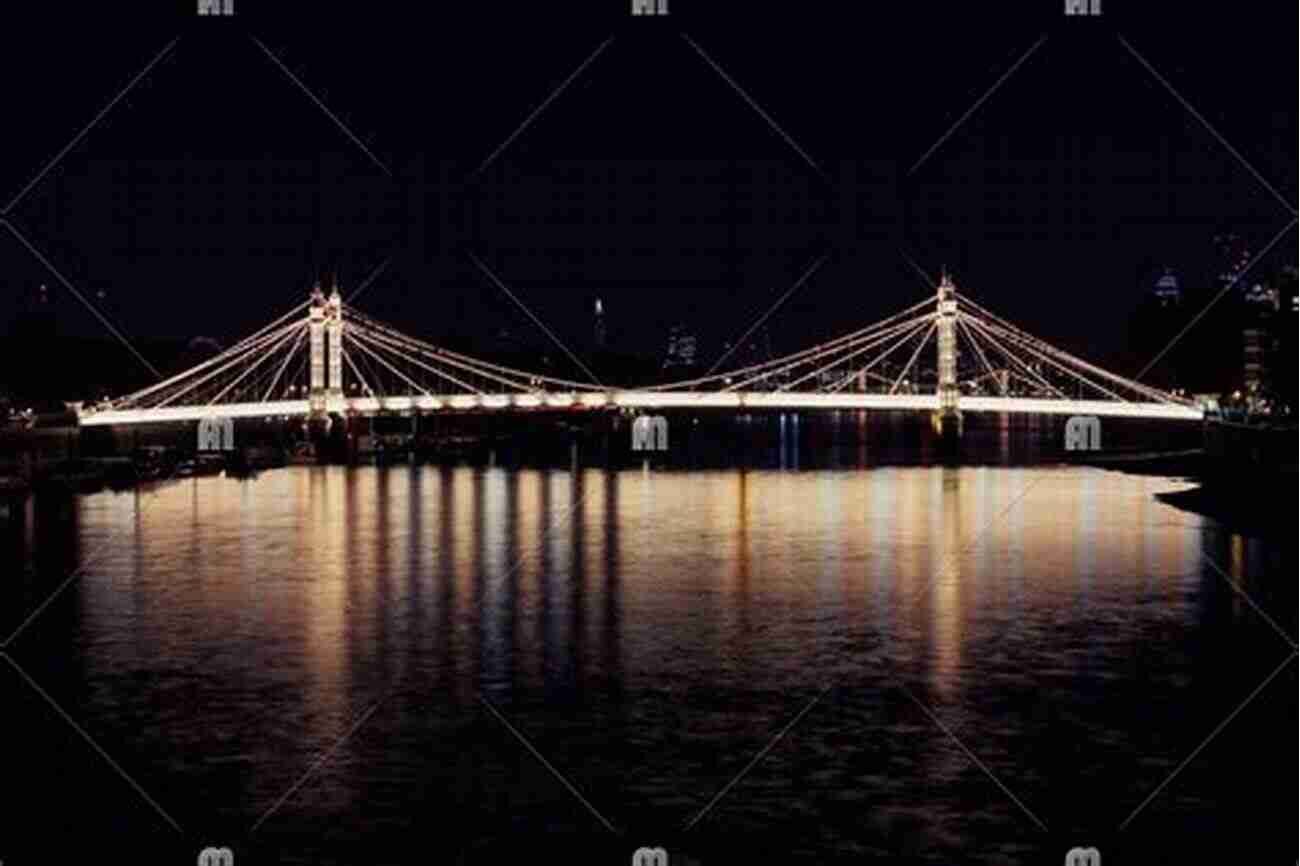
(256, 619)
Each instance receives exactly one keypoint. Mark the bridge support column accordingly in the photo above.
(947, 419)
(334, 345)
(316, 339)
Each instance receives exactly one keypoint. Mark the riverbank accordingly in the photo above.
(1254, 499)
(1254, 506)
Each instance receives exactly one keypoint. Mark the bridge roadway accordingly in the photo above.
(640, 399)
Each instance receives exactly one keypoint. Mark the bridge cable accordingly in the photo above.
(917, 326)
(537, 321)
(911, 327)
(763, 318)
(921, 345)
(384, 342)
(226, 353)
(293, 351)
(446, 355)
(786, 362)
(260, 358)
(977, 327)
(229, 362)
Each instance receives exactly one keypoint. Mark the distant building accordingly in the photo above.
(1259, 337)
(599, 335)
(1166, 290)
(1261, 298)
(681, 348)
(1233, 254)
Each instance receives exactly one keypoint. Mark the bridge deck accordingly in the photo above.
(642, 400)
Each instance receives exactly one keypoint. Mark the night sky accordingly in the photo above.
(204, 202)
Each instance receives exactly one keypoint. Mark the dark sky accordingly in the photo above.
(205, 199)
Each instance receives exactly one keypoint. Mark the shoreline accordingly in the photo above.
(1242, 497)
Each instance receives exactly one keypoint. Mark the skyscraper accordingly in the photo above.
(1259, 338)
(600, 325)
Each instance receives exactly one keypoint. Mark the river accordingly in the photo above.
(907, 664)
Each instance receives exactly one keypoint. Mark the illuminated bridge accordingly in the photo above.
(326, 358)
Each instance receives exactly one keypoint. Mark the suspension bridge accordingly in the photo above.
(324, 358)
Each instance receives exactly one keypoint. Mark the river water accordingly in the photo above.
(428, 664)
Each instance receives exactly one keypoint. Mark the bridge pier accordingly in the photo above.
(947, 419)
(316, 345)
(947, 424)
(325, 342)
(948, 429)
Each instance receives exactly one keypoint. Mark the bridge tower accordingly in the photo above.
(334, 345)
(947, 419)
(316, 312)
